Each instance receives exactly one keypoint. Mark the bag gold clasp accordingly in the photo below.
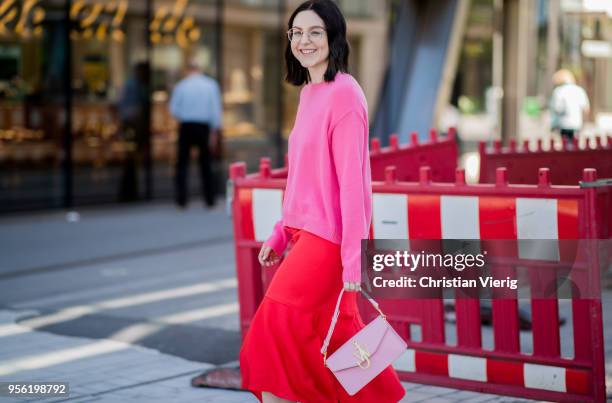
(362, 355)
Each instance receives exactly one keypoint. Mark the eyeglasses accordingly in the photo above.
(314, 35)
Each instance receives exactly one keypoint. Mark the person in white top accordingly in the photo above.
(569, 104)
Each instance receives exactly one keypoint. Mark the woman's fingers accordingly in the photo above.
(263, 254)
(267, 257)
(272, 258)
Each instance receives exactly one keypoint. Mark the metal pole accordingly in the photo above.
(148, 159)
(552, 45)
(219, 42)
(217, 161)
(514, 65)
(67, 161)
(498, 60)
(278, 138)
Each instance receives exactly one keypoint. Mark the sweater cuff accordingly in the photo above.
(279, 239)
(352, 275)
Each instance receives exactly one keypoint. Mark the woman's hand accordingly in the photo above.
(352, 286)
(267, 257)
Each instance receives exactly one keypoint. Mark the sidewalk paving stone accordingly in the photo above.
(134, 373)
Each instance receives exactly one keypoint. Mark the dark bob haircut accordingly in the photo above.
(335, 27)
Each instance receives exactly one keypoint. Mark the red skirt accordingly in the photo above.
(281, 350)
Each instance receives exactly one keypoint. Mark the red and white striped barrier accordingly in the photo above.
(565, 164)
(481, 369)
(431, 210)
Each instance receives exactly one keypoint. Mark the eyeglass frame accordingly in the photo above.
(308, 33)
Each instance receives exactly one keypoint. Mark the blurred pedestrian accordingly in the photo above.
(326, 213)
(196, 104)
(569, 104)
(132, 107)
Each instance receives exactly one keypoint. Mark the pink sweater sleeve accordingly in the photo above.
(279, 238)
(349, 148)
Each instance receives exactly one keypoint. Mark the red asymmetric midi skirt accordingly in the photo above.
(281, 354)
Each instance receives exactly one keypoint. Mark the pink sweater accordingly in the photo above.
(329, 191)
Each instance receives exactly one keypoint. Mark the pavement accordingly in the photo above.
(129, 303)
(111, 371)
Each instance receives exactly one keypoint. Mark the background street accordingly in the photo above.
(147, 295)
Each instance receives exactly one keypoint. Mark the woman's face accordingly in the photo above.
(311, 50)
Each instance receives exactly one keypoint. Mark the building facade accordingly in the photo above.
(85, 85)
(508, 55)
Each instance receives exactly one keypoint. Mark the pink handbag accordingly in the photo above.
(366, 354)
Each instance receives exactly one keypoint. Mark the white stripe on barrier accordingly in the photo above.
(390, 216)
(405, 362)
(536, 376)
(466, 367)
(537, 219)
(544, 377)
(267, 210)
(460, 218)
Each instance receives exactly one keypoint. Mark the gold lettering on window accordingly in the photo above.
(100, 20)
(171, 24)
(23, 20)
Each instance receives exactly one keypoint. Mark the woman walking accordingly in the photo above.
(326, 213)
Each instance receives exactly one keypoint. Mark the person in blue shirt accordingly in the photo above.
(196, 104)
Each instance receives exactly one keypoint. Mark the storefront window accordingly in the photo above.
(85, 87)
(180, 30)
(32, 96)
(253, 3)
(108, 97)
(253, 43)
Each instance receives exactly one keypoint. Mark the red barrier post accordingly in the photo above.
(564, 144)
(390, 174)
(433, 135)
(424, 175)
(512, 145)
(393, 142)
(544, 177)
(375, 146)
(248, 270)
(501, 177)
(460, 177)
(265, 168)
(497, 146)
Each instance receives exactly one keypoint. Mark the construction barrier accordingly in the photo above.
(429, 210)
(565, 165)
(439, 154)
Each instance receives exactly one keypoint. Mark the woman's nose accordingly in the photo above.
(305, 38)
